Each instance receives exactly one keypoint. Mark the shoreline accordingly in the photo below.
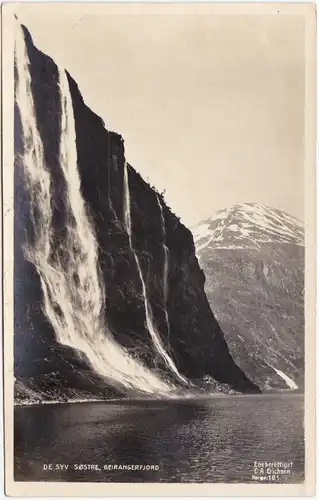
(179, 399)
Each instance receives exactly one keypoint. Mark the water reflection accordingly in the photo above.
(201, 441)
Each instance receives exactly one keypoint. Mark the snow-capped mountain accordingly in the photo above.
(253, 260)
(248, 225)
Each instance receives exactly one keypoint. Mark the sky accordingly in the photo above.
(211, 107)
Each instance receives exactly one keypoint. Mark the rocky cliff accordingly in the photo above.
(253, 259)
(184, 320)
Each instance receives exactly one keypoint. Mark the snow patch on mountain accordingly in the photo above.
(247, 226)
(290, 383)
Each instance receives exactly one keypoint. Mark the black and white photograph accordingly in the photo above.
(158, 260)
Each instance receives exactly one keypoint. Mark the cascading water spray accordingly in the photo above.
(72, 285)
(165, 268)
(148, 311)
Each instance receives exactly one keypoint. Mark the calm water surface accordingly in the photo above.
(215, 440)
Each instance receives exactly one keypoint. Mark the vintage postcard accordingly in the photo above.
(159, 249)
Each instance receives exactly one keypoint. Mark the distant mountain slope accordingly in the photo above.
(253, 259)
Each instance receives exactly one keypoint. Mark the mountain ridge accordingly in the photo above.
(247, 225)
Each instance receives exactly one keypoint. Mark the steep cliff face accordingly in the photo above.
(253, 259)
(163, 246)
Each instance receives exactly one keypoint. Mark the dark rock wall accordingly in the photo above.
(196, 342)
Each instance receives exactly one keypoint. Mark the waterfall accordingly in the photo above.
(72, 286)
(150, 323)
(165, 267)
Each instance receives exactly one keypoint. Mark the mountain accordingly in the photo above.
(253, 260)
(109, 296)
(248, 225)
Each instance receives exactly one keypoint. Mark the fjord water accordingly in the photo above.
(203, 440)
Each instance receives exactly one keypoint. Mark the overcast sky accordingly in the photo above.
(210, 107)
